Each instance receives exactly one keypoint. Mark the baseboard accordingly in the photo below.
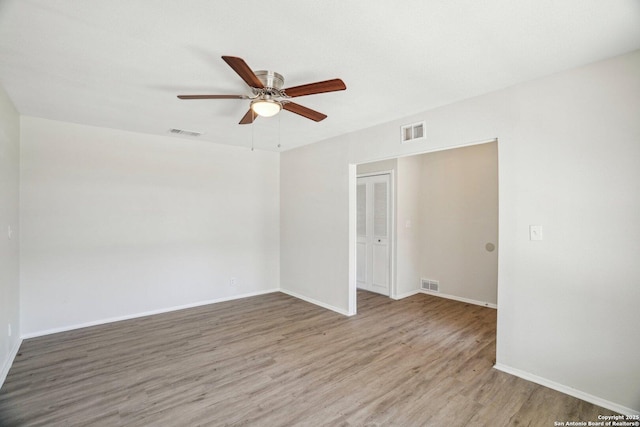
(7, 363)
(406, 294)
(316, 302)
(461, 299)
(143, 314)
(566, 390)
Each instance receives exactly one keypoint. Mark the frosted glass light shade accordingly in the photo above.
(266, 107)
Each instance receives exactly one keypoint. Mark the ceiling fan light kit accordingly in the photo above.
(266, 107)
(267, 95)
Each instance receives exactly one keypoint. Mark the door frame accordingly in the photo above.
(392, 225)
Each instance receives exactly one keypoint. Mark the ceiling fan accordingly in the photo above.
(267, 95)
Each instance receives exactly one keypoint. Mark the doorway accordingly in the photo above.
(445, 224)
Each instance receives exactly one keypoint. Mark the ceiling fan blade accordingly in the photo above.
(304, 111)
(213, 97)
(248, 118)
(313, 88)
(243, 70)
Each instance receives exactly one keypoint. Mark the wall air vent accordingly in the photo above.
(413, 132)
(430, 285)
(184, 132)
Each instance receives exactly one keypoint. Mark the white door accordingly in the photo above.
(373, 225)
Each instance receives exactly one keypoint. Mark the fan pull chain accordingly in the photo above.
(279, 127)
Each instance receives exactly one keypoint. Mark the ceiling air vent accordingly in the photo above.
(184, 132)
(412, 132)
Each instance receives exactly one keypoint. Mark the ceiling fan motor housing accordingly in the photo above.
(270, 79)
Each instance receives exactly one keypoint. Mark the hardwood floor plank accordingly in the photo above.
(273, 360)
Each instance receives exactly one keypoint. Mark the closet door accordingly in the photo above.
(373, 226)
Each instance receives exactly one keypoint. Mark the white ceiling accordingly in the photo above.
(121, 63)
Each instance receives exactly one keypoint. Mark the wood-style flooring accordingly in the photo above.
(273, 360)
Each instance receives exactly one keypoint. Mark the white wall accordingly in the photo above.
(381, 166)
(116, 224)
(314, 193)
(9, 248)
(569, 151)
(458, 218)
(408, 239)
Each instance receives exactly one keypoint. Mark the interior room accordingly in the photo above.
(445, 206)
(172, 255)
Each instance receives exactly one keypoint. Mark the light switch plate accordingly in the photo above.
(535, 232)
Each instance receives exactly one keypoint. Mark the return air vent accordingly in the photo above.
(430, 285)
(413, 132)
(184, 132)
